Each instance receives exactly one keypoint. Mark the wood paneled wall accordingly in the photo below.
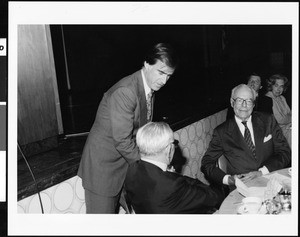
(39, 115)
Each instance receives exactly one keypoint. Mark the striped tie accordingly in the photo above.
(248, 140)
(149, 106)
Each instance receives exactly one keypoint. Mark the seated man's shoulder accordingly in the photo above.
(174, 176)
(263, 115)
(127, 83)
(134, 165)
(225, 124)
(265, 118)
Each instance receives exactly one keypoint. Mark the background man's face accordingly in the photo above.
(255, 83)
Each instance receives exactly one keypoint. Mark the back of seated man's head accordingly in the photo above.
(155, 141)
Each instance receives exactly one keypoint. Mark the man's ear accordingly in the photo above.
(171, 152)
(146, 65)
(231, 102)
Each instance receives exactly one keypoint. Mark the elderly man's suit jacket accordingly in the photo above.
(111, 146)
(272, 149)
(150, 190)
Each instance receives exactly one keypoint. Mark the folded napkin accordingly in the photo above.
(278, 177)
(249, 191)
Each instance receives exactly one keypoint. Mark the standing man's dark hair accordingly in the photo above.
(163, 52)
(111, 145)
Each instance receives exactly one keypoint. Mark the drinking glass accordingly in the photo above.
(285, 195)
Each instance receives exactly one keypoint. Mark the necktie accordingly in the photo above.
(248, 140)
(149, 106)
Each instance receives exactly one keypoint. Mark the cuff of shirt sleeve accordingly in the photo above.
(225, 179)
(264, 170)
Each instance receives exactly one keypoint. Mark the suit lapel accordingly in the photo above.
(258, 130)
(142, 99)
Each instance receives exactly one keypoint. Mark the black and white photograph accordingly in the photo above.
(152, 118)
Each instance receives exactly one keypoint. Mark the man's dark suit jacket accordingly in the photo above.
(264, 104)
(272, 149)
(110, 146)
(151, 190)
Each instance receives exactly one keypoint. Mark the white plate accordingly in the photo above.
(254, 200)
(242, 210)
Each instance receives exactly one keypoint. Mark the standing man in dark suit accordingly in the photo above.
(152, 189)
(252, 143)
(110, 146)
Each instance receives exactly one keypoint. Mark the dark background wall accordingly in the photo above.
(214, 58)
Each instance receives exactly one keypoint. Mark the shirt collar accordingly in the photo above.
(239, 121)
(146, 87)
(159, 164)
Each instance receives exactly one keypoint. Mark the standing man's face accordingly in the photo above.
(157, 74)
(243, 102)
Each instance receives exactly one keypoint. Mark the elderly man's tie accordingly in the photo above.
(149, 106)
(247, 137)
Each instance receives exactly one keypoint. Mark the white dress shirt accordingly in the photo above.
(242, 127)
(146, 87)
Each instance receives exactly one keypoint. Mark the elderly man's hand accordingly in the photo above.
(251, 175)
(231, 180)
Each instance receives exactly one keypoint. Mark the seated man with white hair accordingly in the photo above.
(152, 189)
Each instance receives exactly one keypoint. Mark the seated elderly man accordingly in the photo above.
(251, 142)
(152, 189)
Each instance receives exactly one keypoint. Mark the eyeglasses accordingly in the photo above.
(240, 101)
(174, 142)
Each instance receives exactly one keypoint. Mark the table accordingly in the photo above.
(234, 199)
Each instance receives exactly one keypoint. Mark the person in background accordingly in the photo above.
(252, 143)
(152, 189)
(254, 82)
(110, 146)
(276, 85)
(261, 102)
